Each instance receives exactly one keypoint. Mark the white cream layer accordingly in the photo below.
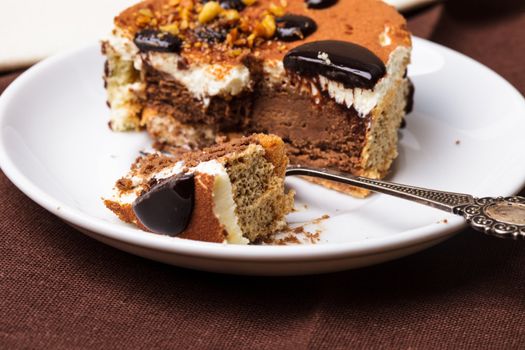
(223, 203)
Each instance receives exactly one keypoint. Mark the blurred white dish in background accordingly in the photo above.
(35, 29)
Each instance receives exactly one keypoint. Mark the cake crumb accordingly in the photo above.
(124, 184)
(313, 237)
(318, 220)
(299, 229)
(287, 240)
(297, 235)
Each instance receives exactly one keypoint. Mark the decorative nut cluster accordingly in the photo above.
(146, 17)
(266, 27)
(183, 18)
(245, 33)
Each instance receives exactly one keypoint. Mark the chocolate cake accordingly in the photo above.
(327, 76)
(229, 193)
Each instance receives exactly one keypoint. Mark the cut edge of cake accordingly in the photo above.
(239, 194)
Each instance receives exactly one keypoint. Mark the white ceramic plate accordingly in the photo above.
(465, 135)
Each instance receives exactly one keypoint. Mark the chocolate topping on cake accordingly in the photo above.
(167, 207)
(294, 27)
(153, 40)
(319, 4)
(350, 64)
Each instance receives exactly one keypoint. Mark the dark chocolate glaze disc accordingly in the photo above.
(319, 4)
(167, 207)
(350, 64)
(294, 27)
(154, 40)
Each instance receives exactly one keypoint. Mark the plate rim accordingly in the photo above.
(183, 247)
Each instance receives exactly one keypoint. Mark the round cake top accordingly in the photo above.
(226, 31)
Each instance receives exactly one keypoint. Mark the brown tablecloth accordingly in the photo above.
(61, 289)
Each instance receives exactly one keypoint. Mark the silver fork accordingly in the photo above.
(497, 216)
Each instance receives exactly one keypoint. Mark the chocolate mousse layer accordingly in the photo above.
(171, 98)
(323, 135)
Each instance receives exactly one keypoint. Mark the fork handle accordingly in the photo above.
(501, 216)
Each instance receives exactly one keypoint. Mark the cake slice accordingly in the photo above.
(328, 77)
(232, 192)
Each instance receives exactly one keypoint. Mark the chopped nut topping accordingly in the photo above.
(268, 24)
(209, 11)
(146, 12)
(170, 28)
(230, 15)
(232, 36)
(145, 17)
(235, 52)
(276, 10)
(251, 39)
(244, 25)
(221, 23)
